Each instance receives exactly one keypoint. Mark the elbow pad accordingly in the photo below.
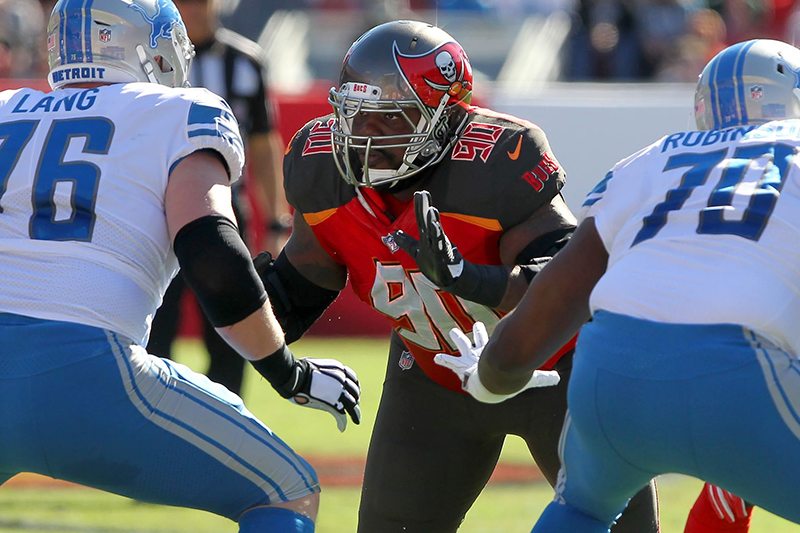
(216, 265)
(296, 301)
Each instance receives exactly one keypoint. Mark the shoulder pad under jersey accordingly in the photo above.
(311, 179)
(500, 168)
(211, 125)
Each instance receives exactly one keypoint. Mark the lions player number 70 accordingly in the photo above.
(81, 178)
(745, 163)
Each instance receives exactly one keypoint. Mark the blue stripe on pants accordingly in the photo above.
(714, 402)
(78, 403)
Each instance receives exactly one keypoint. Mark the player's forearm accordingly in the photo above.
(255, 337)
(265, 158)
(498, 286)
(555, 306)
(526, 338)
(516, 288)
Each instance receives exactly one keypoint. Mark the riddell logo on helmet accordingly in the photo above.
(444, 69)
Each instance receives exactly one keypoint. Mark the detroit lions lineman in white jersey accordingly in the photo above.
(83, 233)
(687, 256)
(107, 185)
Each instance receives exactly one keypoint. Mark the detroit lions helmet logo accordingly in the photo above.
(162, 21)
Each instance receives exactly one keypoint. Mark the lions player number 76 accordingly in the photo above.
(81, 178)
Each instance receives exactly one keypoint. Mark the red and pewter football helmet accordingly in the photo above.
(392, 68)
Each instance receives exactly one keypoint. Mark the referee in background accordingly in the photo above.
(231, 66)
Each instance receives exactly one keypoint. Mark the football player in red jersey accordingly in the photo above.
(440, 213)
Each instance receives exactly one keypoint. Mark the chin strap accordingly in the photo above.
(147, 65)
(384, 174)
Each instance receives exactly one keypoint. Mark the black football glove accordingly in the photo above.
(442, 263)
(435, 255)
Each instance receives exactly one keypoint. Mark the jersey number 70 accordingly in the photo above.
(742, 167)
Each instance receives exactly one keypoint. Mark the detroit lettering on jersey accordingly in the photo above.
(79, 73)
(81, 101)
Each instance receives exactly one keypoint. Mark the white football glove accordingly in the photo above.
(466, 366)
(331, 386)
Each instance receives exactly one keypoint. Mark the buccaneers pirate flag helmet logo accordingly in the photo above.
(442, 71)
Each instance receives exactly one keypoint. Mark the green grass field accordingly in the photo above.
(511, 508)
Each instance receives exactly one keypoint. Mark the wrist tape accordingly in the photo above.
(282, 371)
(476, 389)
(483, 284)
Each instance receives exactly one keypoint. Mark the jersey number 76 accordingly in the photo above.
(82, 177)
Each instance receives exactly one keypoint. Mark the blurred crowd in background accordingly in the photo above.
(606, 40)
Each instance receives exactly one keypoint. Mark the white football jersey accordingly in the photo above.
(83, 175)
(702, 227)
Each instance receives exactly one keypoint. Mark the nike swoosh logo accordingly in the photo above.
(515, 154)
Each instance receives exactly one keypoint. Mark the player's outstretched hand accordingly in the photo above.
(466, 366)
(435, 255)
(331, 386)
(443, 264)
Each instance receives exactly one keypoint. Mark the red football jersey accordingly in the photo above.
(496, 176)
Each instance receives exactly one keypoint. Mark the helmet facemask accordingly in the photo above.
(424, 144)
(429, 90)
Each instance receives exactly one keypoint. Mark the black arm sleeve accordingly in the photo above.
(216, 265)
(539, 251)
(296, 301)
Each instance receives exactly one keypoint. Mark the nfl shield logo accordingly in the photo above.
(105, 35)
(406, 360)
(756, 92)
(390, 243)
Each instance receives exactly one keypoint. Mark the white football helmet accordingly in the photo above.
(751, 82)
(118, 41)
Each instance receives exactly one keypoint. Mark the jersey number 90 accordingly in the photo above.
(417, 304)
